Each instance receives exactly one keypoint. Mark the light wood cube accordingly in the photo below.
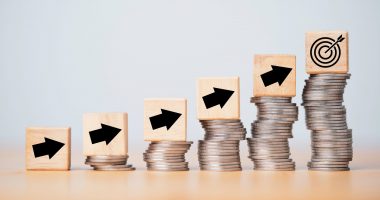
(326, 52)
(218, 98)
(48, 148)
(274, 75)
(105, 134)
(165, 119)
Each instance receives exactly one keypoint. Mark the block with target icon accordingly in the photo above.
(165, 119)
(274, 75)
(48, 148)
(105, 134)
(326, 52)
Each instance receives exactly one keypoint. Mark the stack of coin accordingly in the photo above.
(269, 146)
(219, 151)
(167, 155)
(109, 163)
(331, 139)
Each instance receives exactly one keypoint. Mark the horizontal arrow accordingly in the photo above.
(49, 147)
(106, 134)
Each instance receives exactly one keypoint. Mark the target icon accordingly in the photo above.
(325, 52)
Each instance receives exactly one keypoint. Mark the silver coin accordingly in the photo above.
(224, 165)
(164, 161)
(313, 165)
(211, 151)
(219, 142)
(222, 125)
(115, 169)
(232, 136)
(164, 155)
(167, 155)
(220, 147)
(205, 148)
(172, 142)
(169, 147)
(164, 164)
(328, 169)
(223, 121)
(278, 166)
(332, 151)
(269, 146)
(105, 160)
(274, 169)
(104, 163)
(109, 162)
(206, 156)
(108, 157)
(221, 169)
(168, 169)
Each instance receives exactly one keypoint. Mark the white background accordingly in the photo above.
(60, 59)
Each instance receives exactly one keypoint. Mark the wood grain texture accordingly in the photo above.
(178, 131)
(342, 64)
(362, 182)
(60, 161)
(263, 64)
(231, 110)
(119, 144)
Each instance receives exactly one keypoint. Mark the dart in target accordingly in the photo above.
(325, 51)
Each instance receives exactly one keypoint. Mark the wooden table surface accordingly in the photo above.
(362, 182)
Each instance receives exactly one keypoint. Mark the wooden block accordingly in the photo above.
(218, 98)
(165, 119)
(48, 148)
(274, 75)
(105, 134)
(320, 58)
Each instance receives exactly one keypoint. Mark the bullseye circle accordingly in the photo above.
(319, 55)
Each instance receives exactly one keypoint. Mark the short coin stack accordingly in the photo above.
(219, 151)
(167, 155)
(109, 163)
(331, 139)
(269, 146)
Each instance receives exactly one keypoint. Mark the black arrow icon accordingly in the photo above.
(166, 118)
(218, 97)
(339, 39)
(49, 147)
(278, 75)
(106, 133)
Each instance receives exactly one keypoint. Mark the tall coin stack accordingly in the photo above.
(109, 163)
(219, 151)
(167, 155)
(269, 146)
(331, 139)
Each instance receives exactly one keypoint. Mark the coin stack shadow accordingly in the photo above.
(109, 163)
(331, 140)
(269, 145)
(219, 151)
(167, 155)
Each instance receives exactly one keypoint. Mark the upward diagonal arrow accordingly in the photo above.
(106, 133)
(166, 118)
(278, 75)
(218, 97)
